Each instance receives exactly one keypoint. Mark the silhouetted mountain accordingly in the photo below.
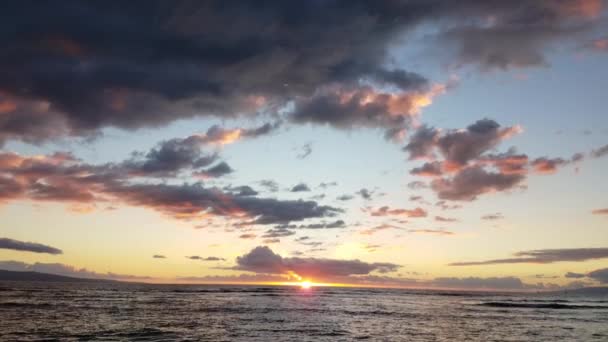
(36, 276)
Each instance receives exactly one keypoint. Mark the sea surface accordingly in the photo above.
(44, 311)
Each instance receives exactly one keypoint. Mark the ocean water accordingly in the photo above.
(39, 311)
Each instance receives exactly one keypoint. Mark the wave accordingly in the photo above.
(554, 305)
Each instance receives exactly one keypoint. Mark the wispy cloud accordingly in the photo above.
(544, 256)
(16, 245)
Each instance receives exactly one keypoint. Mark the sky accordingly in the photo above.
(423, 144)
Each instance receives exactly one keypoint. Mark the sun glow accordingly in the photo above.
(305, 285)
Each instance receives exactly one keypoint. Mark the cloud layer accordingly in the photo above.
(16, 245)
(545, 256)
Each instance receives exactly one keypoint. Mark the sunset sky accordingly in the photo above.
(435, 143)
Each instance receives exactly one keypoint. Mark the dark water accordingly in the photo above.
(129, 312)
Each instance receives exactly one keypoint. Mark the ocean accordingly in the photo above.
(46, 311)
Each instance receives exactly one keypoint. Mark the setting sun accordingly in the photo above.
(305, 285)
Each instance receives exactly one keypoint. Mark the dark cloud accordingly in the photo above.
(599, 275)
(168, 158)
(269, 185)
(59, 177)
(190, 200)
(545, 256)
(187, 63)
(345, 197)
(492, 217)
(364, 107)
(322, 225)
(365, 194)
(600, 152)
(300, 187)
(216, 171)
(431, 231)
(445, 219)
(213, 258)
(247, 236)
(417, 185)
(515, 33)
(158, 256)
(15, 245)
(472, 182)
(264, 260)
(458, 147)
(243, 190)
(325, 185)
(278, 232)
(306, 151)
(574, 275)
(443, 205)
(422, 143)
(431, 169)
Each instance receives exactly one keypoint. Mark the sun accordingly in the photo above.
(305, 285)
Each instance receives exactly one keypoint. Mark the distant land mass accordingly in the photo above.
(37, 276)
(586, 291)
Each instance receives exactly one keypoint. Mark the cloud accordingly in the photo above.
(472, 182)
(263, 260)
(432, 169)
(16, 245)
(247, 236)
(445, 219)
(365, 194)
(458, 147)
(300, 188)
(378, 228)
(600, 152)
(597, 45)
(61, 177)
(574, 275)
(158, 256)
(422, 143)
(545, 256)
(322, 225)
(306, 151)
(600, 211)
(364, 106)
(463, 168)
(431, 231)
(547, 165)
(278, 232)
(417, 185)
(600, 275)
(216, 171)
(188, 65)
(243, 190)
(492, 217)
(269, 185)
(387, 211)
(345, 197)
(514, 36)
(211, 258)
(498, 283)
